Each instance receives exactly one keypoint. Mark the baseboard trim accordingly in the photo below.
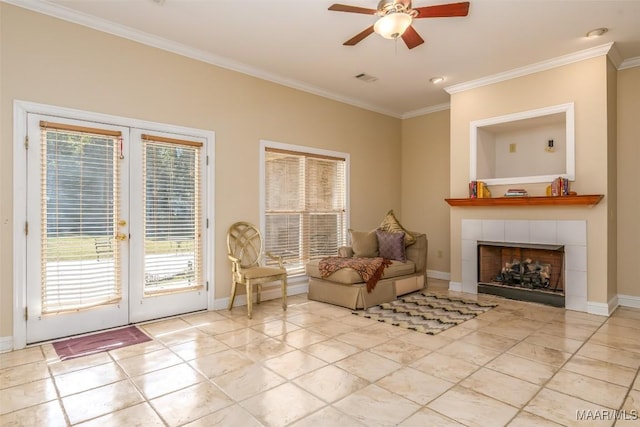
(628, 301)
(223, 303)
(6, 344)
(442, 275)
(601, 308)
(455, 286)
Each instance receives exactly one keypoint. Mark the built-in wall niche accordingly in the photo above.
(526, 147)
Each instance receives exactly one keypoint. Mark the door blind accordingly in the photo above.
(80, 263)
(172, 215)
(305, 207)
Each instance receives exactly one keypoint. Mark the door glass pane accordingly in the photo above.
(80, 260)
(172, 216)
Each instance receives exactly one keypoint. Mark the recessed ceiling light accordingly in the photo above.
(436, 80)
(597, 32)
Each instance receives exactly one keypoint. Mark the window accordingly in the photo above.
(305, 215)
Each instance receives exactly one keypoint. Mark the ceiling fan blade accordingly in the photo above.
(352, 9)
(443, 10)
(412, 38)
(359, 37)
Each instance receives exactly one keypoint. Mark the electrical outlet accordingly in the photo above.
(512, 148)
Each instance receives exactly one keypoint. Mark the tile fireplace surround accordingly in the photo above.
(571, 234)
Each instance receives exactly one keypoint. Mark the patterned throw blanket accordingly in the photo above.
(370, 269)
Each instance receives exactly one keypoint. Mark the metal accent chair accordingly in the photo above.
(244, 246)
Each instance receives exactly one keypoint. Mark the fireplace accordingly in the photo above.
(522, 271)
(572, 234)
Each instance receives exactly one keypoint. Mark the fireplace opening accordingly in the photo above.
(522, 271)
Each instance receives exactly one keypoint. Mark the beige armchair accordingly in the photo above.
(244, 246)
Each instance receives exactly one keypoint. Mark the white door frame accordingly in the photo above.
(20, 111)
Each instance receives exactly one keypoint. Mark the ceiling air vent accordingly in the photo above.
(366, 78)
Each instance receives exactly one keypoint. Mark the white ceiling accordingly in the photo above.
(299, 42)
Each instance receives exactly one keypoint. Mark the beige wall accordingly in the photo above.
(584, 83)
(425, 183)
(49, 61)
(628, 181)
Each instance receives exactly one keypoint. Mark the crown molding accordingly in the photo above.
(531, 69)
(105, 26)
(630, 63)
(426, 110)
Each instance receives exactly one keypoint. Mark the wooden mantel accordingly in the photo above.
(582, 199)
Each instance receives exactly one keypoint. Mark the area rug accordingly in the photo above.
(427, 313)
(97, 343)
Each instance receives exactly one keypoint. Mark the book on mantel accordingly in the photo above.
(516, 192)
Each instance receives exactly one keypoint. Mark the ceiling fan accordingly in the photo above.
(396, 17)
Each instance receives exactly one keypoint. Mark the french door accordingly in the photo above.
(115, 226)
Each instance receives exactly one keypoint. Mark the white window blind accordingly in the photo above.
(172, 215)
(79, 215)
(305, 206)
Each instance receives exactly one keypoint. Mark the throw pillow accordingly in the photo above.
(391, 245)
(391, 224)
(364, 243)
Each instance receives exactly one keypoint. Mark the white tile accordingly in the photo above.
(472, 229)
(469, 250)
(543, 232)
(575, 283)
(470, 276)
(575, 257)
(572, 232)
(516, 231)
(575, 303)
(493, 230)
(470, 288)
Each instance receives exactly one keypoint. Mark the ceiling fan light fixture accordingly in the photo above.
(597, 32)
(436, 80)
(393, 25)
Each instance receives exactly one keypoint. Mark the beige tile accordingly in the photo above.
(203, 318)
(331, 350)
(427, 417)
(626, 312)
(356, 321)
(577, 332)
(86, 379)
(469, 352)
(241, 337)
(181, 336)
(490, 341)
(149, 362)
(24, 395)
(167, 380)
(201, 346)
(636, 384)
(135, 350)
(100, 401)
(327, 416)
(47, 414)
(505, 330)
(361, 340)
(230, 416)
(375, 406)
(223, 362)
(551, 341)
(282, 405)
(414, 385)
(330, 383)
(632, 402)
(611, 355)
(601, 370)
(331, 328)
(294, 364)
(265, 349)
(526, 419)
(302, 338)
(540, 354)
(141, 415)
(473, 409)
(500, 386)
(190, 403)
(524, 369)
(430, 342)
(622, 331)
(21, 357)
(221, 326)
(456, 332)
(248, 381)
(589, 389)
(615, 341)
(564, 409)
(385, 330)
(445, 367)
(307, 319)
(22, 374)
(165, 327)
(275, 328)
(400, 351)
(367, 365)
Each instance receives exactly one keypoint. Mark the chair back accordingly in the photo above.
(244, 242)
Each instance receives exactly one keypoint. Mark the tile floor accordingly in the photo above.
(519, 364)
